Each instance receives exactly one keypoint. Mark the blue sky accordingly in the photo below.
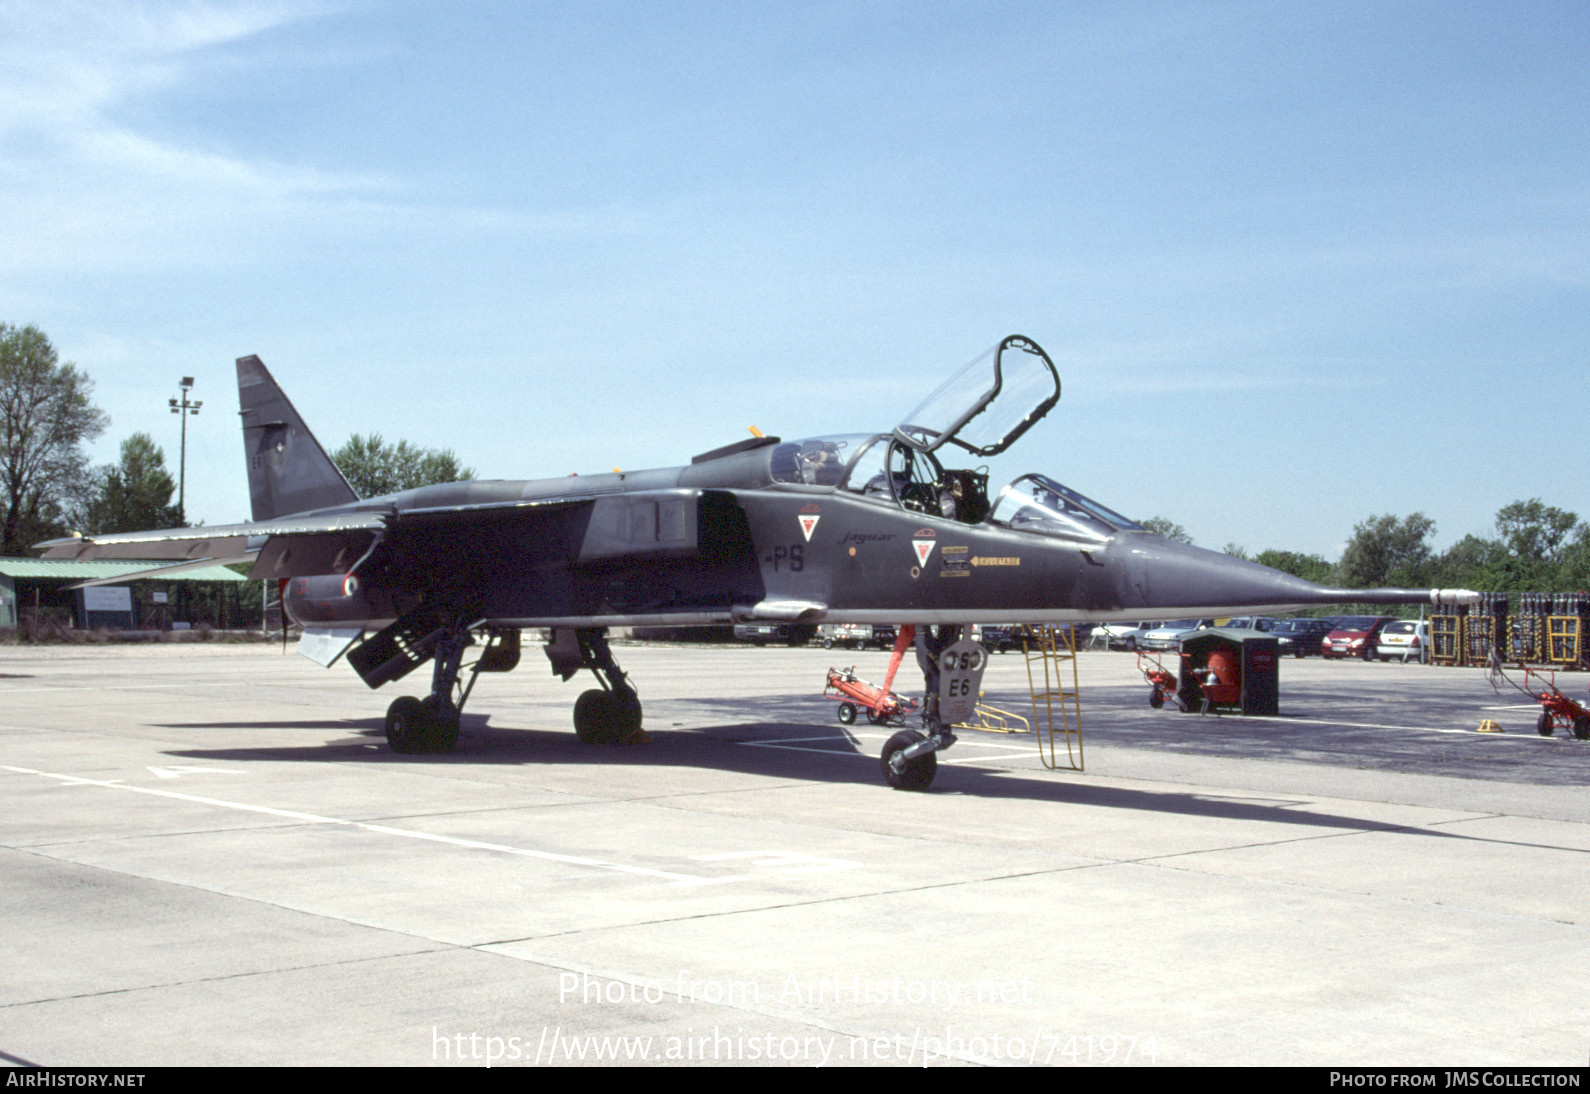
(1298, 264)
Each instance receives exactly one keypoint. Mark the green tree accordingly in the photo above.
(373, 467)
(1167, 528)
(1537, 538)
(46, 417)
(1387, 551)
(1573, 574)
(1308, 567)
(135, 494)
(1473, 563)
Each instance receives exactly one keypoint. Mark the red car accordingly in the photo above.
(1354, 636)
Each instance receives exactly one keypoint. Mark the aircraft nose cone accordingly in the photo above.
(1150, 572)
(1157, 573)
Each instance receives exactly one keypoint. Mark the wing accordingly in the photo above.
(652, 524)
(216, 544)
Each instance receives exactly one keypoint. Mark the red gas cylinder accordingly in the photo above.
(1222, 678)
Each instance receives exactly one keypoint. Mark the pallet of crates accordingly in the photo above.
(1447, 637)
(1525, 637)
(1566, 631)
(1486, 629)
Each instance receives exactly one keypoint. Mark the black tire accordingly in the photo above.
(828, 643)
(406, 725)
(917, 774)
(1581, 727)
(1298, 652)
(596, 718)
(874, 718)
(441, 730)
(1545, 725)
(627, 712)
(847, 713)
(1155, 699)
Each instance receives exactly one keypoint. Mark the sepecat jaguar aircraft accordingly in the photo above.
(864, 528)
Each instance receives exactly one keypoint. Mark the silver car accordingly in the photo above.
(1404, 640)
(1168, 636)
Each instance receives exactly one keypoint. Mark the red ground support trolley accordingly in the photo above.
(1557, 711)
(1161, 679)
(883, 707)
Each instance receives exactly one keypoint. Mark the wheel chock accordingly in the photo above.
(1488, 726)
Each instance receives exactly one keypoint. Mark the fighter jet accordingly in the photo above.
(864, 528)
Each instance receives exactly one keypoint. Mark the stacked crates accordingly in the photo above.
(1446, 636)
(1486, 629)
(1542, 628)
(1567, 626)
(1526, 637)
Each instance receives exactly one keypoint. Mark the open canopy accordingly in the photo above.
(989, 403)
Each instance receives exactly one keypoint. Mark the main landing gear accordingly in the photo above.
(431, 724)
(601, 716)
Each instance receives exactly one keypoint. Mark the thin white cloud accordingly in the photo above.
(93, 186)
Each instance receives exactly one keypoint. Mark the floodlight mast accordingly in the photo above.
(184, 408)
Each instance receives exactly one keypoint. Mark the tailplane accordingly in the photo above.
(288, 471)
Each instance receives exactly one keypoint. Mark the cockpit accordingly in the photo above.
(903, 468)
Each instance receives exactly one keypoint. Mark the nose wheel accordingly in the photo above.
(901, 773)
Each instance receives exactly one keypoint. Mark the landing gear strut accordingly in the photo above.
(431, 724)
(605, 715)
(910, 759)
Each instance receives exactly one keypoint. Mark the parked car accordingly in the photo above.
(1263, 623)
(1002, 637)
(1302, 637)
(1354, 636)
(856, 636)
(1168, 636)
(791, 634)
(1404, 640)
(1122, 636)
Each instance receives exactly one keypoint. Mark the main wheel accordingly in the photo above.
(1581, 727)
(626, 709)
(596, 717)
(847, 713)
(917, 774)
(441, 730)
(406, 722)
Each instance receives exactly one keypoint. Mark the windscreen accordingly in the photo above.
(1036, 503)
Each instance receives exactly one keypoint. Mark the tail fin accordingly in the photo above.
(288, 471)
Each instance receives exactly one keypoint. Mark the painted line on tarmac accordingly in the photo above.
(387, 830)
(788, 744)
(125, 687)
(1515, 735)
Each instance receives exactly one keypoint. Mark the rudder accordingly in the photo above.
(288, 471)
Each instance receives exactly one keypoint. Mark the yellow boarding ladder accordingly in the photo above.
(1051, 649)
